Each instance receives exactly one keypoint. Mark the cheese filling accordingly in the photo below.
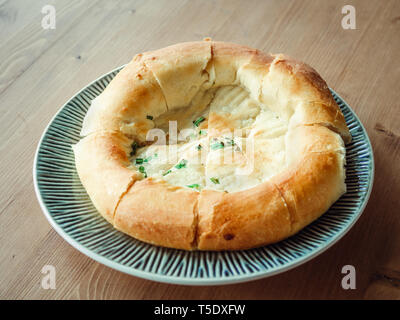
(224, 140)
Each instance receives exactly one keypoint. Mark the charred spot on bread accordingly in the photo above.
(229, 236)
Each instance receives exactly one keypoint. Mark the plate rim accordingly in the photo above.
(188, 280)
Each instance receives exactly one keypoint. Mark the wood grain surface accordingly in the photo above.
(41, 69)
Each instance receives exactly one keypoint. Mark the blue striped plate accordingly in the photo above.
(70, 211)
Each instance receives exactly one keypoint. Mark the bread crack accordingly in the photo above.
(195, 225)
(159, 83)
(129, 186)
(291, 213)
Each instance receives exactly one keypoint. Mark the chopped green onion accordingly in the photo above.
(166, 172)
(218, 145)
(149, 117)
(194, 186)
(142, 170)
(199, 147)
(202, 132)
(214, 180)
(138, 161)
(181, 164)
(198, 121)
(155, 155)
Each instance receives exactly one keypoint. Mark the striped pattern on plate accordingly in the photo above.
(70, 211)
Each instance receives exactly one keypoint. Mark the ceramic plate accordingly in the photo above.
(68, 208)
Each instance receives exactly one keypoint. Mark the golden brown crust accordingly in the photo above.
(158, 213)
(302, 140)
(189, 61)
(311, 186)
(307, 96)
(315, 175)
(123, 106)
(241, 220)
(308, 83)
(101, 160)
(227, 58)
(309, 113)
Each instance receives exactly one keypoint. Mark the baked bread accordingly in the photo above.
(213, 146)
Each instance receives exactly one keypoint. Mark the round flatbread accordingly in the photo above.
(213, 146)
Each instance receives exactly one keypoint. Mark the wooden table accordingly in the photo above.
(40, 69)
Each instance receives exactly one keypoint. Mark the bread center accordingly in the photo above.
(224, 140)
